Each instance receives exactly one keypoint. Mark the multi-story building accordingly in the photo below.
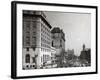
(85, 56)
(36, 40)
(58, 42)
(58, 39)
(70, 54)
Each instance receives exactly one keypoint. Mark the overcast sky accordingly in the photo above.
(76, 26)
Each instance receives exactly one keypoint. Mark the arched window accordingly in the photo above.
(27, 58)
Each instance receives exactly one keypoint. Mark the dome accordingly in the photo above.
(56, 30)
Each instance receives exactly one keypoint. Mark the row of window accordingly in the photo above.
(26, 26)
(26, 33)
(27, 40)
(31, 19)
(30, 25)
(45, 30)
(44, 26)
(45, 36)
(27, 59)
(46, 33)
(45, 58)
(27, 43)
(45, 50)
(33, 28)
(45, 45)
(43, 40)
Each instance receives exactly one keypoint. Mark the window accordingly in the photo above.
(27, 38)
(27, 43)
(27, 58)
(27, 49)
(33, 60)
(27, 25)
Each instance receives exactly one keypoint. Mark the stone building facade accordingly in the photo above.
(58, 42)
(58, 39)
(36, 40)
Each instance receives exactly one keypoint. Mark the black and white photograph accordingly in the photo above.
(56, 39)
(53, 39)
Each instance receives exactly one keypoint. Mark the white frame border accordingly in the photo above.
(36, 72)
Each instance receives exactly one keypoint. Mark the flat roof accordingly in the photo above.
(37, 15)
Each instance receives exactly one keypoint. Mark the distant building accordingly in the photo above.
(70, 54)
(85, 55)
(70, 51)
(36, 39)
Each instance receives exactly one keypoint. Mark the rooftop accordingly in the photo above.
(56, 30)
(37, 14)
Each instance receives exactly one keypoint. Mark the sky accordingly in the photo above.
(76, 26)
